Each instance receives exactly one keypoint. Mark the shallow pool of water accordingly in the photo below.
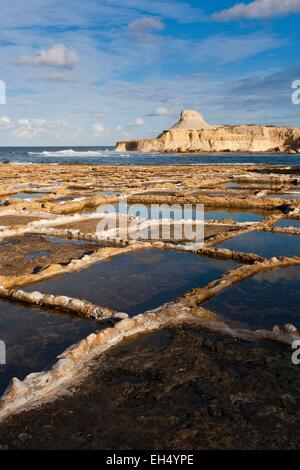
(27, 196)
(293, 195)
(37, 254)
(107, 193)
(265, 244)
(288, 223)
(34, 337)
(232, 185)
(267, 299)
(59, 241)
(178, 212)
(138, 281)
(235, 214)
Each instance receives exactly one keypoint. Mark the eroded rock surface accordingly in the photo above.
(153, 393)
(31, 253)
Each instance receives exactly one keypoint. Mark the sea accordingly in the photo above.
(107, 156)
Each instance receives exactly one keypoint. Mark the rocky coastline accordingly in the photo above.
(193, 134)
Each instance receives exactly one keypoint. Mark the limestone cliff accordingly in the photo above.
(193, 134)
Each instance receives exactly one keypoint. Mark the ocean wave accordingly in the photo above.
(22, 163)
(70, 153)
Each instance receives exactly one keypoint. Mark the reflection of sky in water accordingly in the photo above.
(34, 337)
(232, 185)
(238, 215)
(139, 281)
(288, 223)
(293, 195)
(37, 254)
(107, 193)
(27, 195)
(268, 298)
(58, 241)
(177, 212)
(266, 244)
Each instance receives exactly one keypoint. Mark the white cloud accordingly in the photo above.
(26, 133)
(26, 128)
(259, 9)
(136, 123)
(29, 128)
(161, 111)
(32, 122)
(98, 129)
(120, 128)
(145, 25)
(57, 56)
(5, 122)
(139, 122)
(55, 12)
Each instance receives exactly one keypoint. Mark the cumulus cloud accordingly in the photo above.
(58, 56)
(259, 9)
(145, 25)
(5, 122)
(161, 111)
(138, 122)
(26, 133)
(28, 128)
(98, 129)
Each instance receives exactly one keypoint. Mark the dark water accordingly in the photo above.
(265, 244)
(267, 299)
(135, 282)
(34, 337)
(288, 223)
(106, 155)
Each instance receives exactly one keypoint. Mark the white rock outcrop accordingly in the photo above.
(191, 120)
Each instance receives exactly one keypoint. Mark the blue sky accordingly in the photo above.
(95, 71)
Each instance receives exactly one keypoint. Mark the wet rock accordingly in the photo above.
(24, 436)
(288, 328)
(149, 393)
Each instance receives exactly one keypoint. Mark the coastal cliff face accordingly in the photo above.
(193, 134)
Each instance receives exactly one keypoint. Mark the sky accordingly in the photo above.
(94, 72)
